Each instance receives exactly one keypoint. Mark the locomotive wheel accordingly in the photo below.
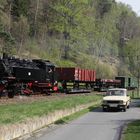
(10, 94)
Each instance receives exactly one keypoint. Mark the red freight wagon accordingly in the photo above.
(75, 74)
(67, 74)
(75, 78)
(86, 76)
(82, 75)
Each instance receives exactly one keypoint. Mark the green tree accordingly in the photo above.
(20, 8)
(6, 39)
(132, 52)
(21, 26)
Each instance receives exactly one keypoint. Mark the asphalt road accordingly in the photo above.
(95, 125)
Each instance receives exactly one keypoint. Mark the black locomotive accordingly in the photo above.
(17, 74)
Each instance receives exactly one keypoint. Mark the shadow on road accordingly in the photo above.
(100, 110)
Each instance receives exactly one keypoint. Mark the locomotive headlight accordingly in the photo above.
(29, 73)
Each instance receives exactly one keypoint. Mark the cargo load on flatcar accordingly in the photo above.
(105, 84)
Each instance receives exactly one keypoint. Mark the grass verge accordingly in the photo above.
(10, 114)
(133, 131)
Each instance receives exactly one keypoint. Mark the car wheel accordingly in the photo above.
(104, 109)
(124, 109)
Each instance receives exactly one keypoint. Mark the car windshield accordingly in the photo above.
(116, 93)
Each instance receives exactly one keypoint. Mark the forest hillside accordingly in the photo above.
(98, 34)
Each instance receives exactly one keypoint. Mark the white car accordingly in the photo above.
(116, 98)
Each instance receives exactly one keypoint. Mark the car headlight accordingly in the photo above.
(122, 102)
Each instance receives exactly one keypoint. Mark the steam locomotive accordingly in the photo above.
(19, 75)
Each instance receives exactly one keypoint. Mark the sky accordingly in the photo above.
(133, 3)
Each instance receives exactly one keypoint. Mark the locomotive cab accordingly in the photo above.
(48, 67)
(48, 84)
